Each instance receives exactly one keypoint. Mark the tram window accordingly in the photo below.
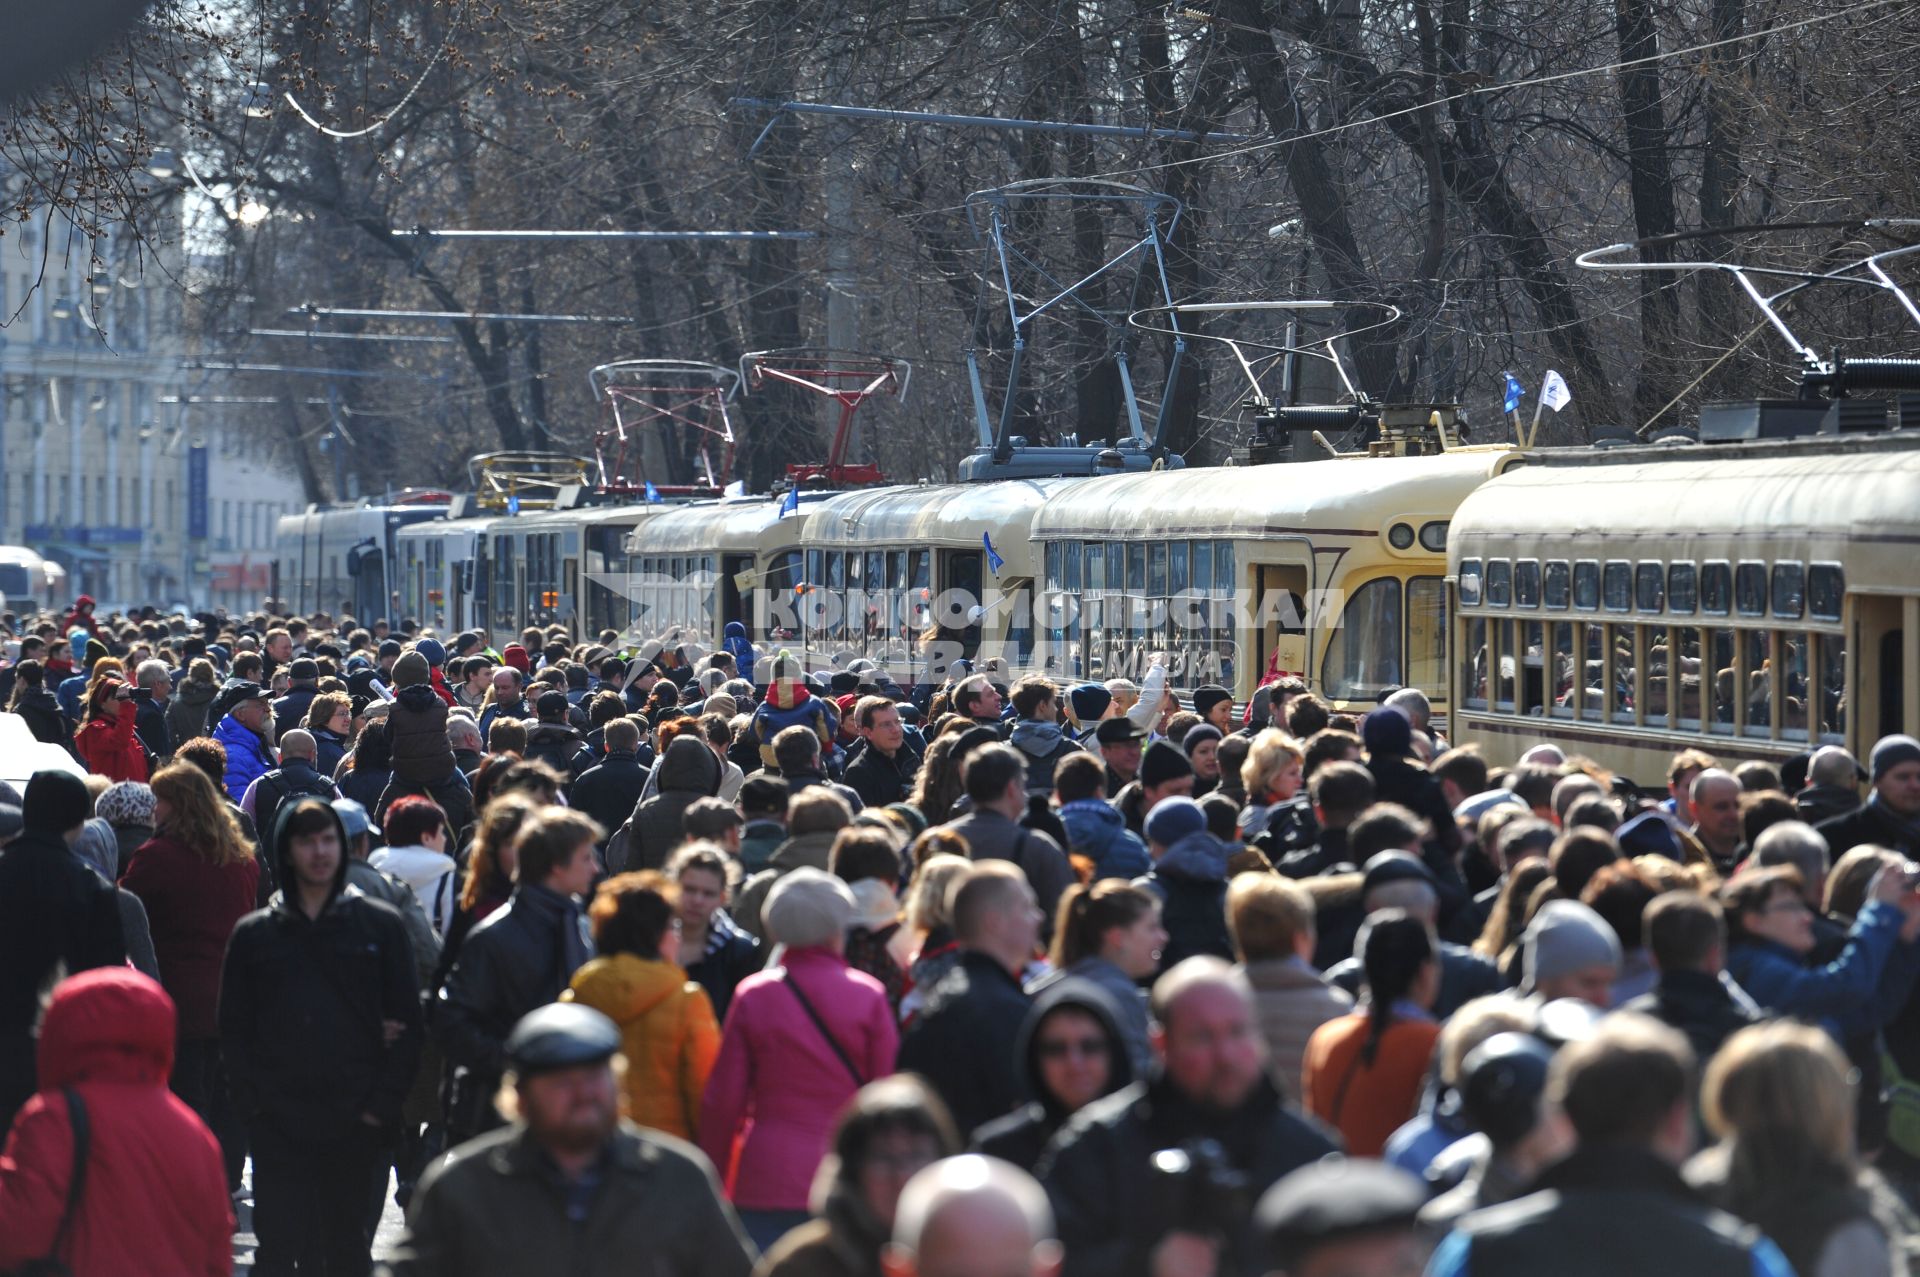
(1070, 565)
(1223, 568)
(1593, 670)
(1157, 570)
(1558, 669)
(1750, 589)
(1793, 692)
(1683, 589)
(1202, 571)
(1624, 655)
(1557, 585)
(1473, 664)
(1756, 676)
(1096, 566)
(1826, 583)
(1717, 676)
(1426, 632)
(1716, 588)
(1532, 666)
(1499, 583)
(1506, 672)
(1364, 654)
(920, 581)
(1657, 657)
(1526, 583)
(1433, 537)
(1789, 591)
(1469, 583)
(1052, 561)
(1136, 569)
(1686, 674)
(1649, 587)
(1586, 585)
(1830, 689)
(1176, 567)
(1616, 585)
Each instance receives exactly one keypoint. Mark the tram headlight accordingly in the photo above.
(1400, 536)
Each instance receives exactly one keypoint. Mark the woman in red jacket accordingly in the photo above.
(197, 877)
(106, 742)
(153, 1200)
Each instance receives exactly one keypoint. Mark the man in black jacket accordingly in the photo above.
(520, 958)
(290, 710)
(1891, 816)
(1212, 1099)
(320, 1035)
(884, 769)
(962, 1043)
(1833, 786)
(1686, 934)
(609, 790)
(295, 777)
(551, 738)
(1617, 1204)
(55, 913)
(154, 684)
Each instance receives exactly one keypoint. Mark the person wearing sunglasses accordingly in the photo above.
(1072, 1053)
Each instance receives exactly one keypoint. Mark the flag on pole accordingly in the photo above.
(1515, 392)
(653, 493)
(791, 502)
(513, 503)
(994, 560)
(738, 488)
(1553, 391)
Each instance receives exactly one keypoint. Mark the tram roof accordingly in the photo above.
(1706, 500)
(1358, 494)
(953, 513)
(729, 524)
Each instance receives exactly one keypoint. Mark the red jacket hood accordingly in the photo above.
(785, 693)
(111, 1024)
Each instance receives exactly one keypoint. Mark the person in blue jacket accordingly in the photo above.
(242, 733)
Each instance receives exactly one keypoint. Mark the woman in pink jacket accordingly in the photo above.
(799, 1040)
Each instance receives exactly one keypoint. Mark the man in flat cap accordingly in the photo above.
(1344, 1218)
(569, 1185)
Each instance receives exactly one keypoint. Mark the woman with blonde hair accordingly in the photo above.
(1779, 1097)
(197, 877)
(930, 922)
(1271, 774)
(330, 719)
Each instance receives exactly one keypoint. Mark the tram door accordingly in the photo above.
(1886, 648)
(1281, 626)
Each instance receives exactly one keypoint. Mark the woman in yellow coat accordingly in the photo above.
(666, 1023)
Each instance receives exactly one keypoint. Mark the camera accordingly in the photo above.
(1207, 1194)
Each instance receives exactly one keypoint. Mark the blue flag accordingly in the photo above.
(1515, 392)
(513, 503)
(653, 493)
(791, 502)
(994, 560)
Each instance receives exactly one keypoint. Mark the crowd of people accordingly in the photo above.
(599, 958)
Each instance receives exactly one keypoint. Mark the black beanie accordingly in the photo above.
(1161, 763)
(56, 801)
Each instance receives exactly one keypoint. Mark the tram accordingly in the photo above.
(29, 582)
(340, 559)
(701, 567)
(1758, 596)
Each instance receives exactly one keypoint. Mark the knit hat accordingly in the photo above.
(1205, 698)
(411, 669)
(1647, 834)
(1161, 763)
(1384, 867)
(722, 704)
(1173, 819)
(1089, 701)
(1501, 1083)
(915, 819)
(516, 656)
(95, 651)
(1387, 733)
(807, 908)
(56, 801)
(388, 647)
(1564, 937)
(1891, 751)
(1197, 735)
(711, 681)
(844, 682)
(430, 648)
(1334, 1201)
(304, 670)
(126, 804)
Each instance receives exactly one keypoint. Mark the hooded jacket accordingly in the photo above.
(1191, 878)
(432, 876)
(1022, 1135)
(688, 772)
(1096, 830)
(735, 643)
(192, 908)
(790, 704)
(808, 851)
(248, 757)
(1043, 745)
(110, 748)
(155, 1198)
(667, 1033)
(187, 710)
(418, 723)
(302, 1005)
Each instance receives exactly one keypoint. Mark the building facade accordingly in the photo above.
(118, 460)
